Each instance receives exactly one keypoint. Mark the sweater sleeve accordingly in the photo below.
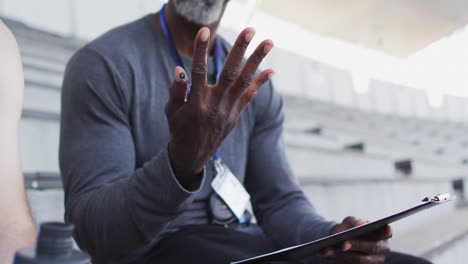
(280, 206)
(116, 208)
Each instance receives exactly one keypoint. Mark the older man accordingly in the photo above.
(16, 226)
(167, 134)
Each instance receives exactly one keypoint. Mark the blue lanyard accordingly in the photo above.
(177, 59)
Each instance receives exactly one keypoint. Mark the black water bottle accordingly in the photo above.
(54, 246)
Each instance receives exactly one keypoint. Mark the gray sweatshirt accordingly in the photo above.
(120, 190)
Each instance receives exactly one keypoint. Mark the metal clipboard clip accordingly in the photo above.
(441, 198)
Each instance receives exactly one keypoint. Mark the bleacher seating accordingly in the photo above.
(383, 136)
(340, 180)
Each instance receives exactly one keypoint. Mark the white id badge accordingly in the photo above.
(229, 188)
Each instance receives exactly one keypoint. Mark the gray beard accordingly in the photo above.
(201, 12)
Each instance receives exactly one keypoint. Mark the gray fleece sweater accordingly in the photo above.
(120, 190)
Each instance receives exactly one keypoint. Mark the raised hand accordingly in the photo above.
(199, 126)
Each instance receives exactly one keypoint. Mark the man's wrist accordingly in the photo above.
(182, 171)
(334, 229)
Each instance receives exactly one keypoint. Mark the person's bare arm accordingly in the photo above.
(16, 226)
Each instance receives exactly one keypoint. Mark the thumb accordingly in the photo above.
(177, 92)
(347, 223)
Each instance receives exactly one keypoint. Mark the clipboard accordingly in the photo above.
(305, 250)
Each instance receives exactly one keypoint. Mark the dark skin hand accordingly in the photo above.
(199, 126)
(370, 249)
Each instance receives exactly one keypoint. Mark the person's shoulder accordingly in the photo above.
(121, 40)
(9, 52)
(8, 44)
(4, 31)
(11, 75)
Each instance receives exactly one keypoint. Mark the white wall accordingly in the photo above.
(52, 15)
(297, 73)
(85, 19)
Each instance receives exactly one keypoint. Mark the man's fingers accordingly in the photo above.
(379, 234)
(254, 87)
(360, 222)
(353, 258)
(347, 223)
(351, 222)
(248, 71)
(199, 64)
(231, 66)
(388, 231)
(366, 247)
(177, 92)
(328, 252)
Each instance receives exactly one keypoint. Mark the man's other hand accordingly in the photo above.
(369, 249)
(199, 126)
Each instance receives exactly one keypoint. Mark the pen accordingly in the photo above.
(186, 79)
